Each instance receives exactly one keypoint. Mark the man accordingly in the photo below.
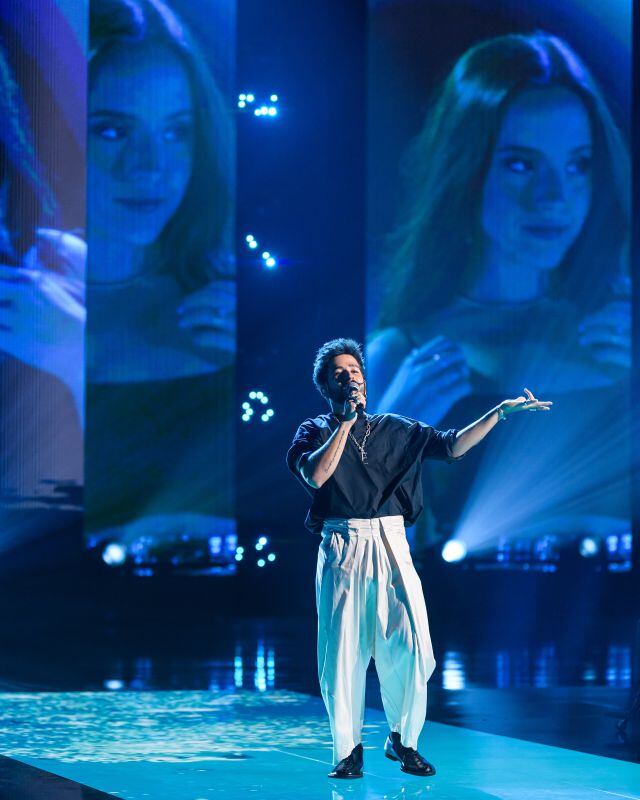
(364, 475)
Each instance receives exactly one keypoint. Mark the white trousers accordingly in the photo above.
(370, 605)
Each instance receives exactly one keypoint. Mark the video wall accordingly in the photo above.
(117, 326)
(498, 257)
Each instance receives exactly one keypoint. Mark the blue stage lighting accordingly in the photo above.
(274, 98)
(271, 262)
(250, 98)
(239, 556)
(215, 545)
(253, 244)
(114, 554)
(113, 684)
(273, 111)
(249, 238)
(240, 550)
(271, 557)
(589, 547)
(248, 409)
(454, 550)
(261, 562)
(241, 104)
(263, 540)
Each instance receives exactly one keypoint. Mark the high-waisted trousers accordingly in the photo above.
(370, 605)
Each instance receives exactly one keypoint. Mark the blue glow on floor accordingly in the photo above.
(196, 745)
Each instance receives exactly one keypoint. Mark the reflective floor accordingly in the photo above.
(201, 712)
(194, 745)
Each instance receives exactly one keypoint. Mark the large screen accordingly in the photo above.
(160, 283)
(42, 271)
(498, 227)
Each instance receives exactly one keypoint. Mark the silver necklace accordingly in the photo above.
(361, 446)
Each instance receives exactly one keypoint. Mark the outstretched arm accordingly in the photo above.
(470, 436)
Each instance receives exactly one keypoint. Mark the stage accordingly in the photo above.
(193, 745)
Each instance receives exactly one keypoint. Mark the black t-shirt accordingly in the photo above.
(388, 484)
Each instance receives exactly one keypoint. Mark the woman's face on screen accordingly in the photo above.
(140, 142)
(537, 191)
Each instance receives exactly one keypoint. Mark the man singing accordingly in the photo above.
(364, 475)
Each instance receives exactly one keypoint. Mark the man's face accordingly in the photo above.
(344, 368)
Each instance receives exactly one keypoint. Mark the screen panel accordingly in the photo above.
(161, 284)
(498, 227)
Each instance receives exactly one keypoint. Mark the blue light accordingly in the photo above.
(264, 110)
(270, 412)
(271, 262)
(259, 546)
(253, 395)
(239, 556)
(263, 540)
(240, 550)
(114, 554)
(246, 417)
(250, 98)
(454, 550)
(215, 545)
(266, 255)
(271, 557)
(253, 244)
(273, 111)
(241, 104)
(265, 418)
(113, 684)
(249, 238)
(231, 540)
(246, 405)
(261, 562)
(264, 399)
(588, 547)
(242, 97)
(274, 98)
(257, 112)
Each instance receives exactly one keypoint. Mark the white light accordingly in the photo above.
(113, 684)
(259, 546)
(261, 562)
(265, 418)
(241, 104)
(270, 412)
(264, 399)
(270, 262)
(259, 395)
(253, 245)
(266, 255)
(242, 97)
(249, 238)
(239, 556)
(258, 112)
(271, 557)
(250, 412)
(240, 549)
(252, 395)
(263, 540)
(273, 111)
(246, 417)
(454, 550)
(588, 547)
(250, 98)
(274, 98)
(264, 110)
(246, 405)
(114, 554)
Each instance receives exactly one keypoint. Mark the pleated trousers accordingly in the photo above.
(371, 605)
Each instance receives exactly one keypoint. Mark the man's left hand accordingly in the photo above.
(525, 403)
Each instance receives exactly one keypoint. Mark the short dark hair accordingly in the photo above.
(328, 351)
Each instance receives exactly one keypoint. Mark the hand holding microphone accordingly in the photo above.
(354, 399)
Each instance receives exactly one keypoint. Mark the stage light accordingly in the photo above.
(589, 547)
(114, 554)
(241, 104)
(612, 543)
(113, 684)
(253, 244)
(239, 556)
(249, 238)
(271, 262)
(271, 557)
(273, 111)
(274, 98)
(454, 550)
(261, 562)
(263, 540)
(215, 545)
(250, 98)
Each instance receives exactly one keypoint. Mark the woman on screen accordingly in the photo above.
(510, 268)
(161, 294)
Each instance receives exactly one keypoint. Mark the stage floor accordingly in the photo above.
(199, 745)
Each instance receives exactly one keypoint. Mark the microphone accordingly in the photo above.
(352, 390)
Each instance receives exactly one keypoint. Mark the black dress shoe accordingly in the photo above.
(410, 760)
(351, 766)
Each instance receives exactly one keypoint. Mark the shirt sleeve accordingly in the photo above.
(306, 441)
(434, 443)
